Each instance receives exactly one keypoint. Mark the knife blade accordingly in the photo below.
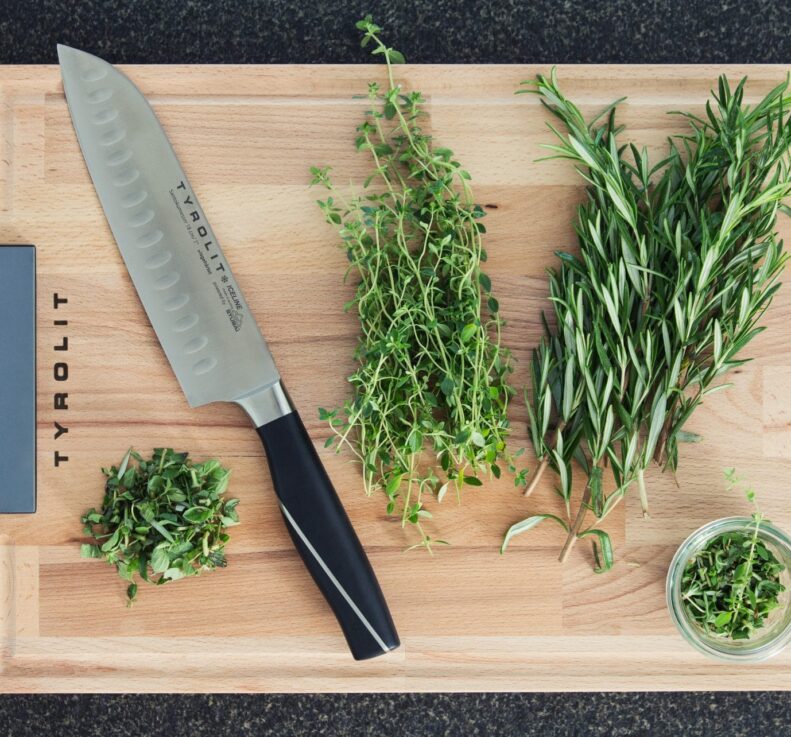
(207, 331)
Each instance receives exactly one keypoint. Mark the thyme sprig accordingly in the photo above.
(677, 263)
(432, 374)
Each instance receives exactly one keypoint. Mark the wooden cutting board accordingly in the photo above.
(469, 618)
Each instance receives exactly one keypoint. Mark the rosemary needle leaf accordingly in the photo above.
(529, 524)
(602, 550)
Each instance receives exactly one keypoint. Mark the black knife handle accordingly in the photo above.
(325, 538)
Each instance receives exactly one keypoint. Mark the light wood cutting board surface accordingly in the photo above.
(469, 619)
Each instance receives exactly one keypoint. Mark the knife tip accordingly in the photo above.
(70, 53)
(63, 51)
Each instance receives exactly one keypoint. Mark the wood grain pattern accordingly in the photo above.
(469, 619)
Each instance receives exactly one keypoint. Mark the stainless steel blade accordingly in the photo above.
(184, 281)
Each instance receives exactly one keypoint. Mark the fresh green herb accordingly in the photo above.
(431, 371)
(677, 263)
(733, 584)
(162, 519)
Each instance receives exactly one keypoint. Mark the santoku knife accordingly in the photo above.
(207, 331)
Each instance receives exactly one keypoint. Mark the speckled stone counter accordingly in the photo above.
(458, 31)
(409, 715)
(449, 31)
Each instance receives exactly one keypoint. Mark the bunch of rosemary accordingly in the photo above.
(431, 371)
(677, 262)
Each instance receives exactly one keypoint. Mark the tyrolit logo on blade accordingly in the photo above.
(209, 253)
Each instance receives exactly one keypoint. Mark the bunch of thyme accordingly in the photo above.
(677, 263)
(432, 374)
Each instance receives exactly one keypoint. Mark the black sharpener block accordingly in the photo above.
(17, 379)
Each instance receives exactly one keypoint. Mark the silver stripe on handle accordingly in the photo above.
(335, 581)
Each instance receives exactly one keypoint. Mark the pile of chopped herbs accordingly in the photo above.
(732, 585)
(431, 376)
(677, 262)
(162, 518)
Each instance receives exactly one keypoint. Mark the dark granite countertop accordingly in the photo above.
(404, 715)
(450, 31)
(458, 31)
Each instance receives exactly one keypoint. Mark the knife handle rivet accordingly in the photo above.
(158, 260)
(105, 116)
(103, 94)
(177, 302)
(185, 323)
(196, 344)
(119, 157)
(142, 218)
(167, 281)
(204, 365)
(150, 239)
(94, 74)
(127, 176)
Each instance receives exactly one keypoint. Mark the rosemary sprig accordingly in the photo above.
(432, 374)
(677, 263)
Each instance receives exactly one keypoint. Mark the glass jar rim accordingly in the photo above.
(742, 652)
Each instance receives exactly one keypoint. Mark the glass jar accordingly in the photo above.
(776, 631)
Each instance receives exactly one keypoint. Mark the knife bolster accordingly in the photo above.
(267, 405)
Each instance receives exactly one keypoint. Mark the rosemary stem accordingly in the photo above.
(542, 466)
(539, 472)
(643, 492)
(577, 526)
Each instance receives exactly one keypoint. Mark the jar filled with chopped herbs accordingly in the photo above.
(728, 588)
